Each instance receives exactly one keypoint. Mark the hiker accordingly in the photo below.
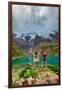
(44, 57)
(36, 57)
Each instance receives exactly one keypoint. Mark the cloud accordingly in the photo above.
(31, 19)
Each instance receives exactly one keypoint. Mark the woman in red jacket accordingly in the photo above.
(44, 57)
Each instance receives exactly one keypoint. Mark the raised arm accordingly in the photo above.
(47, 50)
(30, 51)
(40, 50)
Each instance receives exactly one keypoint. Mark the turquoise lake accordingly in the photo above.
(26, 60)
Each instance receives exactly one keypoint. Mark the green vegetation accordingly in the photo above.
(26, 71)
(54, 68)
(16, 52)
(52, 46)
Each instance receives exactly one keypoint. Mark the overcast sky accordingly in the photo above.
(34, 19)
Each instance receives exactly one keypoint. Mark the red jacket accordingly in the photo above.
(44, 54)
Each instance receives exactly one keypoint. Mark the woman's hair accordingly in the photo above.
(36, 53)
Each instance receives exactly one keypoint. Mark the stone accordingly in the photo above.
(17, 83)
(29, 80)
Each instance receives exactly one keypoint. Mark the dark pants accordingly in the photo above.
(44, 62)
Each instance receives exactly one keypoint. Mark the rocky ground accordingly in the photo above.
(44, 76)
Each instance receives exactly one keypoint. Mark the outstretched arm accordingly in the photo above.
(47, 51)
(40, 50)
(30, 51)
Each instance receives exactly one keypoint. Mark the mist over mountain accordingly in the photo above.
(26, 41)
(32, 25)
